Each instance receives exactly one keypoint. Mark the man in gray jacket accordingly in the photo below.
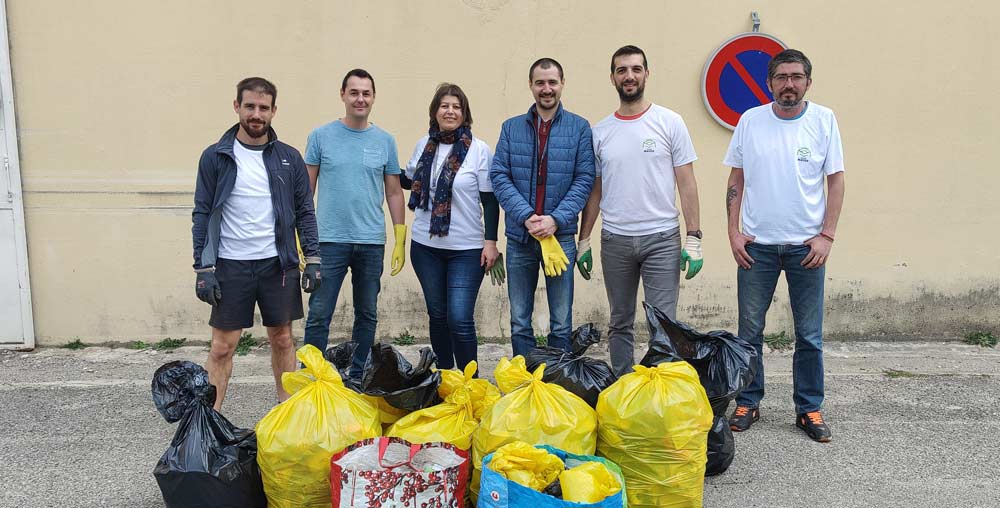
(251, 196)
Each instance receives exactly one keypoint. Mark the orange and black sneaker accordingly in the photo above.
(814, 426)
(743, 418)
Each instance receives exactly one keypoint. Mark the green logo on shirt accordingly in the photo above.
(649, 145)
(804, 154)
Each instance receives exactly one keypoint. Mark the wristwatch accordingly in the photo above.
(696, 233)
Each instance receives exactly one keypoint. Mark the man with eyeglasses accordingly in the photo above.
(781, 155)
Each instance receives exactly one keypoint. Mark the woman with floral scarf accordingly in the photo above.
(450, 249)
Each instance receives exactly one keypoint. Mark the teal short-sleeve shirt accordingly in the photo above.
(351, 185)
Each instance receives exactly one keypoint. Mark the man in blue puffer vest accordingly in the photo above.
(542, 174)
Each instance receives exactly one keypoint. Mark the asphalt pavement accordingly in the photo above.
(914, 425)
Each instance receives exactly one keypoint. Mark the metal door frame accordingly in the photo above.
(17, 199)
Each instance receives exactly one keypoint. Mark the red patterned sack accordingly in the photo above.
(388, 471)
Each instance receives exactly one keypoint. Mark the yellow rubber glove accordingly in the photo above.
(554, 260)
(399, 251)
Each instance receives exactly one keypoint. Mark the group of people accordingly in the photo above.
(552, 174)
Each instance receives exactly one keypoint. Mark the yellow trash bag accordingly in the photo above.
(522, 463)
(482, 393)
(654, 424)
(387, 413)
(589, 482)
(452, 421)
(534, 412)
(296, 439)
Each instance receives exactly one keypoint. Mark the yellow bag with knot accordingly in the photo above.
(451, 422)
(534, 412)
(466, 399)
(482, 393)
(296, 439)
(654, 424)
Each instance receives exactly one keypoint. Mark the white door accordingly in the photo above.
(16, 328)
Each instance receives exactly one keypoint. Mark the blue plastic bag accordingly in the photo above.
(495, 491)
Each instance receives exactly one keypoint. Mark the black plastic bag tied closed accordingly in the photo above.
(581, 375)
(210, 463)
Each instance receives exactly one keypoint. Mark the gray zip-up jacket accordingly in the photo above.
(290, 195)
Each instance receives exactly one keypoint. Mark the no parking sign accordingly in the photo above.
(735, 76)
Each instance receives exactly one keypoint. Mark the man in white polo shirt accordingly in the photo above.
(643, 151)
(781, 155)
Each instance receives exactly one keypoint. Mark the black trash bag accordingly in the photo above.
(721, 447)
(554, 489)
(210, 463)
(404, 386)
(341, 356)
(179, 386)
(583, 376)
(725, 362)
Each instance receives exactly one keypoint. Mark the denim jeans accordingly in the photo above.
(624, 259)
(755, 288)
(365, 262)
(523, 264)
(450, 280)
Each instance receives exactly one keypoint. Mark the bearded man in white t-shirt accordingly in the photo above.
(781, 156)
(643, 152)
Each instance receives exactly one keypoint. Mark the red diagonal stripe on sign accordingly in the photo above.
(748, 79)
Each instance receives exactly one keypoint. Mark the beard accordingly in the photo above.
(792, 102)
(539, 104)
(255, 131)
(631, 97)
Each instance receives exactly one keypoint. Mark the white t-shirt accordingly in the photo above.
(636, 157)
(784, 164)
(466, 229)
(248, 213)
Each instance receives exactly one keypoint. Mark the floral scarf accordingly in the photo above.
(460, 139)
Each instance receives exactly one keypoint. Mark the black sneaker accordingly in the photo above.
(743, 418)
(814, 426)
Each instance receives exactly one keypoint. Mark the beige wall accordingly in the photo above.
(116, 99)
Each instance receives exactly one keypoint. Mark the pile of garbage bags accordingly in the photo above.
(557, 429)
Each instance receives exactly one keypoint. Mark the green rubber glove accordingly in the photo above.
(584, 258)
(691, 259)
(553, 257)
(497, 274)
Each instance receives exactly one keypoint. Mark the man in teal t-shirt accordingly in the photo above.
(353, 164)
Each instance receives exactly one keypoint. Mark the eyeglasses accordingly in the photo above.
(798, 79)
